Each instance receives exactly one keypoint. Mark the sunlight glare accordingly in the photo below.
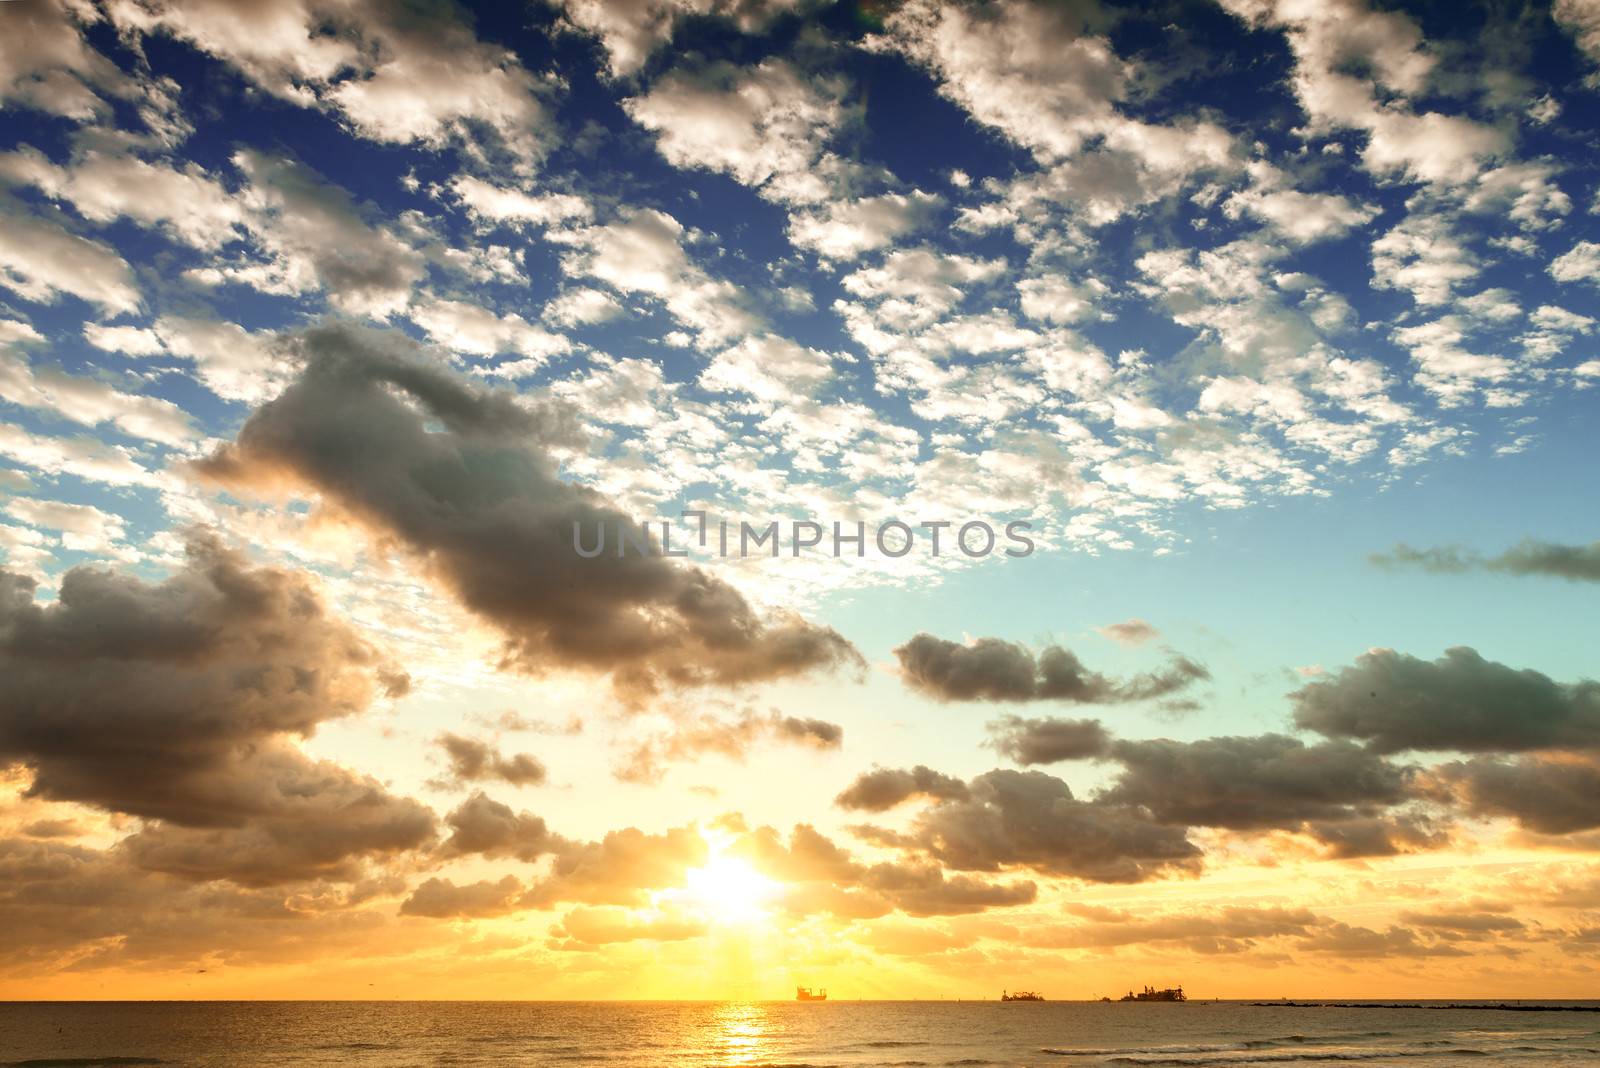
(730, 890)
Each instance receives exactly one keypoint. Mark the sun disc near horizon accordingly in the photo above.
(729, 890)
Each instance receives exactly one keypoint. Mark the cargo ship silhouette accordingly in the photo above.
(1151, 994)
(1021, 995)
(803, 993)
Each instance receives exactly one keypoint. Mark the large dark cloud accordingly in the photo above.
(1401, 831)
(927, 890)
(66, 905)
(177, 701)
(463, 478)
(308, 820)
(1351, 800)
(485, 827)
(883, 788)
(992, 669)
(1546, 795)
(1253, 783)
(1345, 940)
(441, 899)
(1575, 563)
(1394, 702)
(1049, 740)
(1027, 819)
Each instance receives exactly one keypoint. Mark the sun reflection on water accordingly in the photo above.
(741, 1033)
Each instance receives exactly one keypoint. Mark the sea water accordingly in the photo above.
(904, 1033)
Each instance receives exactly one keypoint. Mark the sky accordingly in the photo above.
(331, 331)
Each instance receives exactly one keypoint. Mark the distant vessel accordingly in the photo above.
(1173, 993)
(1021, 995)
(803, 993)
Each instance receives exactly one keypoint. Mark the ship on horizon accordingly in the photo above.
(1021, 995)
(803, 993)
(1172, 993)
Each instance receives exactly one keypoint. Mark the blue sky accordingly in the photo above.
(1248, 307)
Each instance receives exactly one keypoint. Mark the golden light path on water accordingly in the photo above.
(741, 1030)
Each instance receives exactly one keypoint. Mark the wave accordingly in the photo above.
(1242, 1046)
(1296, 1056)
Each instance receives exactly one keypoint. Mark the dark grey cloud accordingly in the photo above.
(441, 899)
(463, 477)
(1575, 563)
(307, 820)
(474, 760)
(1467, 923)
(926, 890)
(1027, 819)
(1400, 831)
(63, 902)
(138, 697)
(1545, 795)
(883, 788)
(1344, 940)
(485, 827)
(1339, 793)
(1253, 783)
(177, 701)
(1394, 702)
(992, 669)
(1046, 741)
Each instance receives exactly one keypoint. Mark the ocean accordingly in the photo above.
(905, 1033)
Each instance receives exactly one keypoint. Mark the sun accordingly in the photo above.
(729, 890)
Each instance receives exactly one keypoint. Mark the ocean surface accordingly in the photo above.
(903, 1033)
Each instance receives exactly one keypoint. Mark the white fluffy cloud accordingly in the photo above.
(82, 457)
(1346, 55)
(1580, 263)
(464, 327)
(312, 236)
(1424, 256)
(766, 123)
(83, 527)
(92, 403)
(843, 231)
(643, 253)
(1298, 216)
(630, 30)
(103, 186)
(1581, 19)
(1031, 71)
(491, 205)
(40, 260)
(232, 362)
(397, 74)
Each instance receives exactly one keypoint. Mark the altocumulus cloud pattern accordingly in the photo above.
(324, 323)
